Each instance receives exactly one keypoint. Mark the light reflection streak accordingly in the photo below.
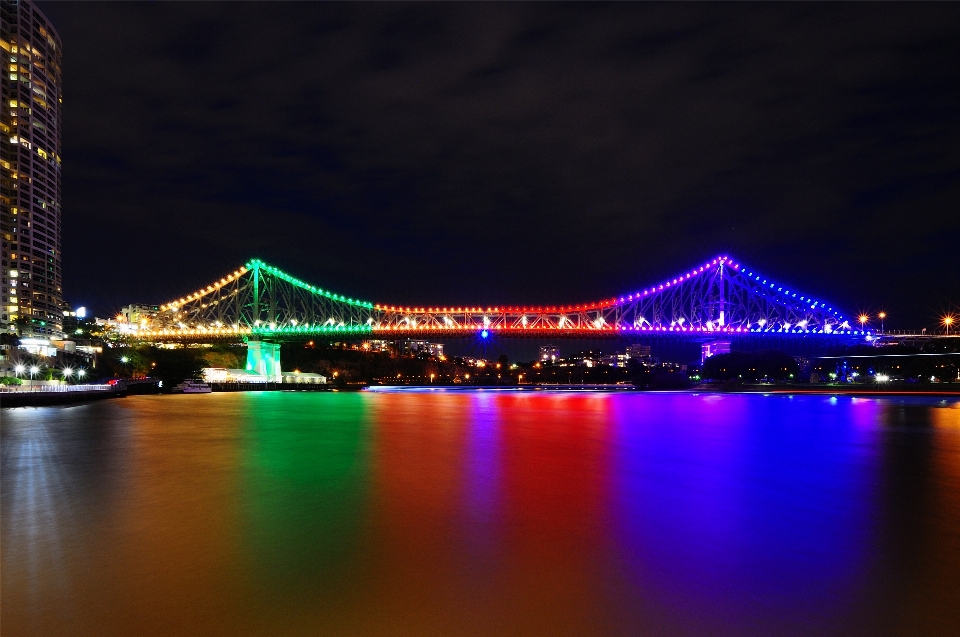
(38, 515)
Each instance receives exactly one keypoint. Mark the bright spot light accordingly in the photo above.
(34, 369)
(67, 371)
(19, 369)
(882, 378)
(81, 373)
(124, 360)
(484, 334)
(863, 319)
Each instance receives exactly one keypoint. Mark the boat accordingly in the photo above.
(192, 386)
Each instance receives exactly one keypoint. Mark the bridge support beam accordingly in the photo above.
(264, 358)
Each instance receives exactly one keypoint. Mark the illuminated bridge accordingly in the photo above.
(722, 297)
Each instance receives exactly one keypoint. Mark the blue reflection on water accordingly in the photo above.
(739, 502)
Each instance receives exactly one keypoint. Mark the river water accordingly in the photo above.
(482, 513)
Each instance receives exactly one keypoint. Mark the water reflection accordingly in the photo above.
(305, 471)
(480, 513)
(742, 505)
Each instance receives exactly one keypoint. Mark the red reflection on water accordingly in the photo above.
(417, 464)
(490, 509)
(555, 489)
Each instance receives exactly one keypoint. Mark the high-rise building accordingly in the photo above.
(30, 124)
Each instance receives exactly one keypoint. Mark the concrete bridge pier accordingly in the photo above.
(264, 358)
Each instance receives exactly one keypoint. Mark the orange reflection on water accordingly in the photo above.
(146, 556)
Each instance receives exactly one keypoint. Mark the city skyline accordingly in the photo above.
(506, 154)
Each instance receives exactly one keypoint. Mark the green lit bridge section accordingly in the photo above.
(258, 301)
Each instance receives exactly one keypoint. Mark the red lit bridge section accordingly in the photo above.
(720, 296)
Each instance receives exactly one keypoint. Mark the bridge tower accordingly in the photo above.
(723, 295)
(264, 359)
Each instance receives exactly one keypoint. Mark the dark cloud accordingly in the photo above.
(445, 153)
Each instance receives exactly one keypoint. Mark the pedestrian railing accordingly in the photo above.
(20, 389)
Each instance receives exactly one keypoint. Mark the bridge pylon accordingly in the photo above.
(264, 358)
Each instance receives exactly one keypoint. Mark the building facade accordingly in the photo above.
(549, 353)
(30, 123)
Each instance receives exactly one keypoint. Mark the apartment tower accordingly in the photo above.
(30, 123)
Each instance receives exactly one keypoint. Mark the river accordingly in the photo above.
(482, 513)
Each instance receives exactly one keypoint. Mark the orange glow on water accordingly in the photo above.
(480, 513)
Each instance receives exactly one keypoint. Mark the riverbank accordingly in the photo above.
(235, 387)
(42, 397)
(64, 395)
(940, 389)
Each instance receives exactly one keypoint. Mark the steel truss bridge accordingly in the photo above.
(720, 298)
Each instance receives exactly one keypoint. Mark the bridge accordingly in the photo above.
(261, 305)
(721, 296)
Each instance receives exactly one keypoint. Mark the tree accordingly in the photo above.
(9, 338)
(751, 366)
(173, 366)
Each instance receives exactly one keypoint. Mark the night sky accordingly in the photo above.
(515, 153)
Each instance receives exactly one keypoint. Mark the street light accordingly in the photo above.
(947, 322)
(19, 369)
(882, 316)
(863, 321)
(81, 373)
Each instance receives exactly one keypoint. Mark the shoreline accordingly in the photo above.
(953, 392)
(13, 400)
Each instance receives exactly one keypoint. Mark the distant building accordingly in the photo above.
(712, 349)
(378, 346)
(421, 347)
(304, 378)
(71, 318)
(224, 375)
(38, 346)
(617, 359)
(30, 126)
(135, 313)
(590, 358)
(641, 352)
(549, 353)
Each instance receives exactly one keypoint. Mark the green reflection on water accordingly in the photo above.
(306, 470)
